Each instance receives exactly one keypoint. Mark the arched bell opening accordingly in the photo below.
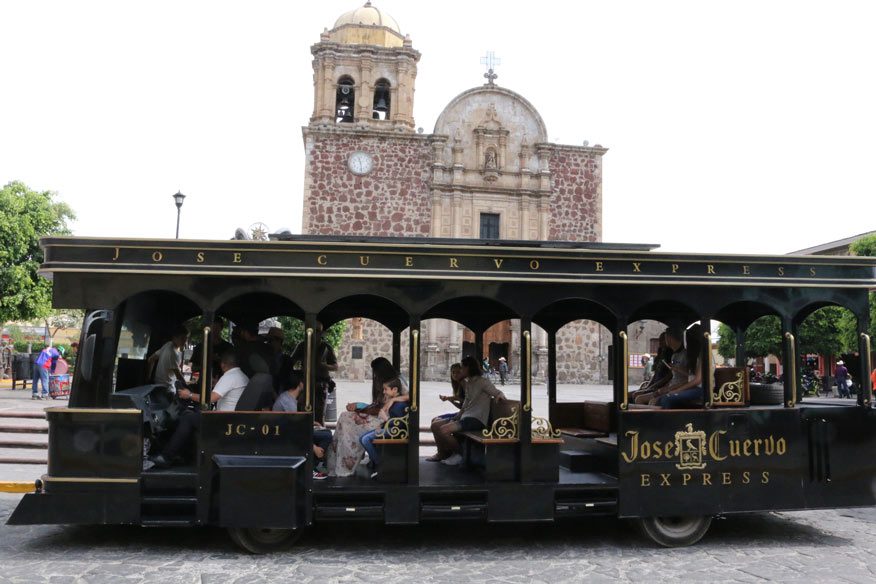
(382, 100)
(345, 100)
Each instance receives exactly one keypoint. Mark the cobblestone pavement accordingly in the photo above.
(815, 546)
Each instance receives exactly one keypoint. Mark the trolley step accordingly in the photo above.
(580, 461)
(583, 507)
(171, 479)
(169, 522)
(169, 500)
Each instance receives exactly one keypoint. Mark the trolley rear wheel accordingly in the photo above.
(675, 531)
(258, 540)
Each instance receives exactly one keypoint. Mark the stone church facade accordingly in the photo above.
(487, 170)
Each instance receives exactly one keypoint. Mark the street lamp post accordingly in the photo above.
(178, 199)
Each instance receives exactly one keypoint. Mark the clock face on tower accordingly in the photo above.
(360, 163)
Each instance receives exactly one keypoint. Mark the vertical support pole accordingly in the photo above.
(706, 362)
(396, 350)
(866, 383)
(206, 381)
(621, 366)
(865, 350)
(309, 362)
(87, 389)
(741, 357)
(479, 344)
(790, 361)
(552, 373)
(414, 411)
(105, 357)
(525, 427)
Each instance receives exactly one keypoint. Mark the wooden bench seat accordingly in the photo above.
(481, 439)
(496, 448)
(608, 440)
(393, 451)
(588, 419)
(581, 432)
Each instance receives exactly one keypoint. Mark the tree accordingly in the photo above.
(763, 337)
(64, 319)
(293, 333)
(866, 246)
(26, 216)
(821, 332)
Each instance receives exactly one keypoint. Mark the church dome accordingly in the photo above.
(367, 25)
(370, 16)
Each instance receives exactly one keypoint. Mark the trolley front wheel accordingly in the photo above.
(675, 531)
(263, 540)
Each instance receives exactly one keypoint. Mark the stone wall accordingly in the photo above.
(375, 341)
(582, 356)
(576, 201)
(393, 200)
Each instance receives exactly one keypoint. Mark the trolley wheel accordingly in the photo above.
(263, 540)
(675, 531)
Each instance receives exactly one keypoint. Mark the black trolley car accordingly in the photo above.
(672, 470)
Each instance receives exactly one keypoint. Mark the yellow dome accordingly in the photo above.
(367, 25)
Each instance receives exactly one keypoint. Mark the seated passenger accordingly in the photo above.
(660, 376)
(219, 347)
(345, 451)
(391, 409)
(253, 354)
(288, 402)
(259, 395)
(165, 363)
(225, 395)
(474, 413)
(684, 390)
(456, 399)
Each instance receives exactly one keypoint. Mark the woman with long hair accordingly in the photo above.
(474, 413)
(685, 388)
(456, 399)
(346, 450)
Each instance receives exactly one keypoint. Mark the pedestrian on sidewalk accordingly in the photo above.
(503, 369)
(41, 371)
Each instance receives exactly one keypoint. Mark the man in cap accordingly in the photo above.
(841, 374)
(503, 370)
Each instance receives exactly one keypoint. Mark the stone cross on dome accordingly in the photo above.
(491, 61)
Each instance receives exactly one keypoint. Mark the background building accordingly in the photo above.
(487, 171)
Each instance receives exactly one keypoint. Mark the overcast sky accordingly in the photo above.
(732, 126)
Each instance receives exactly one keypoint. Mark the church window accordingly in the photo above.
(489, 226)
(381, 100)
(345, 101)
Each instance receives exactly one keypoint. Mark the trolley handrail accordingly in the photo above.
(415, 368)
(710, 363)
(792, 345)
(527, 344)
(625, 404)
(205, 372)
(308, 355)
(867, 350)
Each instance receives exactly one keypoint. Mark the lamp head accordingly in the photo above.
(178, 199)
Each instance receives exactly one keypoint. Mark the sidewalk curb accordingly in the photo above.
(17, 487)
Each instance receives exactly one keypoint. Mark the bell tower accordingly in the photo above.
(363, 73)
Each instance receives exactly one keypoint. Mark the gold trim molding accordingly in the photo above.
(504, 428)
(542, 429)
